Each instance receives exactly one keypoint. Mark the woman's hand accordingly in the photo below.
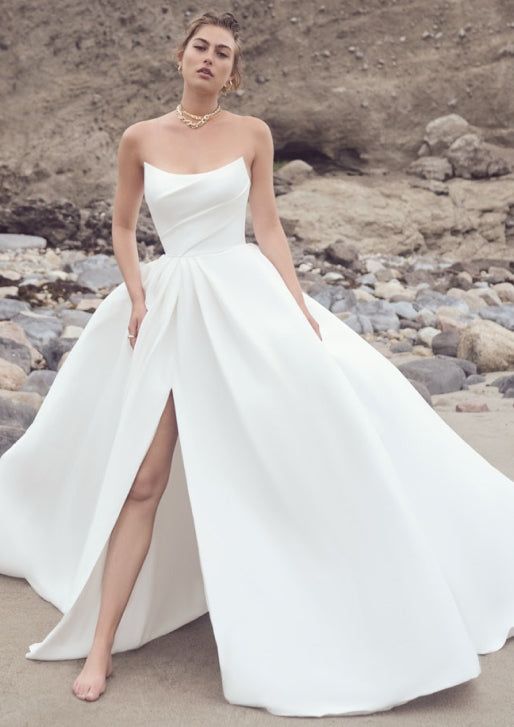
(139, 311)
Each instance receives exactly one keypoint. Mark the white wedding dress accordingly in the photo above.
(352, 550)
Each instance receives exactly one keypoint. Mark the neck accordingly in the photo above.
(200, 105)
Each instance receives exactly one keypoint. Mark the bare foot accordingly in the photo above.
(90, 683)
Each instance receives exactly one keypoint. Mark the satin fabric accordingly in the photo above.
(352, 550)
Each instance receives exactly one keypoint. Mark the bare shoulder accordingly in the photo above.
(133, 137)
(261, 137)
(256, 126)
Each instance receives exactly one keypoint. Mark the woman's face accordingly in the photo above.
(211, 49)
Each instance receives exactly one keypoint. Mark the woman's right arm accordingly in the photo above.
(127, 203)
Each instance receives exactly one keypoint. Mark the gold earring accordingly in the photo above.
(227, 86)
(179, 66)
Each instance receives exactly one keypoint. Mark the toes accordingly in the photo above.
(92, 695)
(79, 690)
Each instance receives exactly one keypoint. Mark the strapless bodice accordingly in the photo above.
(198, 213)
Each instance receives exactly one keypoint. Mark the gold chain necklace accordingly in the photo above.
(202, 119)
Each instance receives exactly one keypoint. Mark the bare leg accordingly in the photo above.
(128, 545)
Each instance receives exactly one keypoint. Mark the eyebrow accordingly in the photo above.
(219, 45)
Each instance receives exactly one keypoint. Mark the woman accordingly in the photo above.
(354, 555)
(209, 62)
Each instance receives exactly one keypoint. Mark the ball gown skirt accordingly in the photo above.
(353, 552)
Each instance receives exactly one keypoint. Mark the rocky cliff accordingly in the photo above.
(353, 82)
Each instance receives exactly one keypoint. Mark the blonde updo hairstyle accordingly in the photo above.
(222, 20)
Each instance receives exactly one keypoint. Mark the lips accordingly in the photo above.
(205, 72)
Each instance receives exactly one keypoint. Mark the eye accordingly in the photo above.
(202, 47)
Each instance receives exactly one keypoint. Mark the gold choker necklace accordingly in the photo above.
(201, 120)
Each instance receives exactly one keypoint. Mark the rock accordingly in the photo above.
(504, 383)
(330, 295)
(453, 322)
(98, 272)
(443, 131)
(39, 382)
(498, 274)
(8, 291)
(404, 309)
(488, 345)
(432, 185)
(427, 317)
(475, 379)
(472, 158)
(388, 289)
(54, 349)
(431, 167)
(359, 323)
(364, 293)
(453, 311)
(10, 308)
(88, 305)
(366, 279)
(433, 300)
(505, 292)
(96, 229)
(478, 298)
(468, 367)
(425, 335)
(74, 317)
(55, 221)
(322, 293)
(502, 314)
(421, 352)
(464, 280)
(17, 242)
(373, 265)
(12, 331)
(380, 313)
(295, 171)
(40, 329)
(421, 389)
(471, 406)
(397, 218)
(18, 409)
(446, 343)
(403, 346)
(16, 353)
(342, 253)
(387, 274)
(440, 376)
(7, 277)
(473, 300)
(72, 332)
(12, 376)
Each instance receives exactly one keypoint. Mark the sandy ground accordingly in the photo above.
(175, 680)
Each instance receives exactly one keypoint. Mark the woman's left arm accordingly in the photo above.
(267, 227)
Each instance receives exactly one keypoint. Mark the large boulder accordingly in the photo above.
(489, 345)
